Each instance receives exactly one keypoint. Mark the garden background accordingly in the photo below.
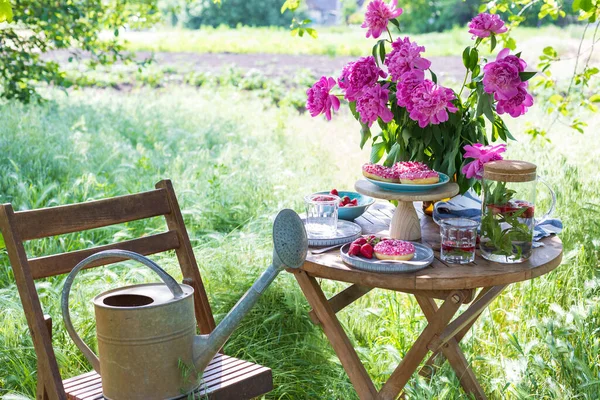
(214, 100)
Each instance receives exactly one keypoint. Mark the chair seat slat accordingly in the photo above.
(237, 380)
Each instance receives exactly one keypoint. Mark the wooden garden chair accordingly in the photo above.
(225, 378)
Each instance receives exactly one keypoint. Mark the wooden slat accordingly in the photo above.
(52, 221)
(337, 337)
(392, 388)
(227, 378)
(342, 299)
(245, 384)
(248, 386)
(42, 341)
(83, 382)
(453, 353)
(43, 267)
(219, 368)
(232, 371)
(72, 379)
(187, 260)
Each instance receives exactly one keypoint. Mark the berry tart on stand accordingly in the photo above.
(406, 182)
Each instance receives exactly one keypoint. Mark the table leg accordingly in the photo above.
(405, 224)
(337, 337)
(392, 388)
(453, 353)
(437, 359)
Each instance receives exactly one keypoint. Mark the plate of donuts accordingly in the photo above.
(404, 176)
(388, 256)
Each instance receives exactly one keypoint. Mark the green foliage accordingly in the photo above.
(236, 12)
(6, 14)
(563, 104)
(438, 15)
(232, 173)
(62, 25)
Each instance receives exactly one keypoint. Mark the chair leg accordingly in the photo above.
(41, 391)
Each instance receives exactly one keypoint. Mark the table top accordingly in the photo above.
(439, 275)
(441, 192)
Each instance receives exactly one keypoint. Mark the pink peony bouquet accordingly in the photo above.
(419, 119)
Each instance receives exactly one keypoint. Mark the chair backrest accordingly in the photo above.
(18, 227)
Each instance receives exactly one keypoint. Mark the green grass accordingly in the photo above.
(235, 160)
(339, 41)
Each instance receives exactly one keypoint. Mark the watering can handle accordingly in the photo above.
(166, 278)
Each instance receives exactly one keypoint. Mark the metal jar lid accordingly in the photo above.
(510, 171)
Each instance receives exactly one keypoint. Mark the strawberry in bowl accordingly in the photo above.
(352, 204)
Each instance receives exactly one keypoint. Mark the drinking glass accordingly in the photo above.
(321, 215)
(459, 237)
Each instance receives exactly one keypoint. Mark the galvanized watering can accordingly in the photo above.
(147, 343)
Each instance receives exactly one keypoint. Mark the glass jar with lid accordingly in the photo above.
(508, 210)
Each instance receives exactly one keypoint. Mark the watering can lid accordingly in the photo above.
(138, 296)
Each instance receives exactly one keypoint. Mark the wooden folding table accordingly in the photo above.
(454, 284)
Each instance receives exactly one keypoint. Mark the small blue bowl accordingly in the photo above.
(351, 213)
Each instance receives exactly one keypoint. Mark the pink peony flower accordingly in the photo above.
(405, 87)
(404, 57)
(319, 100)
(430, 103)
(504, 56)
(373, 104)
(377, 16)
(484, 24)
(501, 78)
(481, 155)
(516, 105)
(359, 75)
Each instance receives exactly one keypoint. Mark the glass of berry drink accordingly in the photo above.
(321, 215)
(459, 238)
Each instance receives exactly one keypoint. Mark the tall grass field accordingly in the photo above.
(235, 160)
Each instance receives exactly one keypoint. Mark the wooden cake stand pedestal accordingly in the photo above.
(405, 223)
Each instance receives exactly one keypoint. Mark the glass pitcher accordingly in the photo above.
(508, 210)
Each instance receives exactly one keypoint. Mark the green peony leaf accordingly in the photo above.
(377, 151)
(525, 76)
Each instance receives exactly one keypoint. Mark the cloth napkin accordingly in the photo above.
(469, 206)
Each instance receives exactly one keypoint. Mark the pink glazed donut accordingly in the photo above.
(414, 172)
(394, 249)
(380, 173)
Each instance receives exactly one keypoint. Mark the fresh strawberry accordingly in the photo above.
(354, 202)
(354, 249)
(334, 192)
(361, 240)
(366, 250)
(346, 200)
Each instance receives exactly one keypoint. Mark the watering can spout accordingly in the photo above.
(289, 251)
